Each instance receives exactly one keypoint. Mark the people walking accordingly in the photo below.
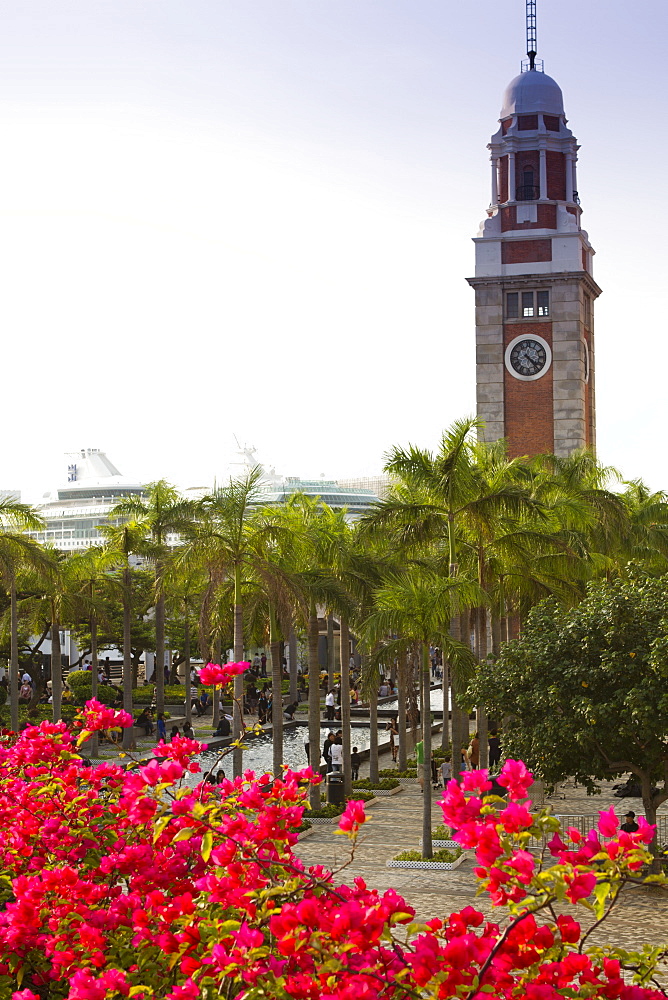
(392, 728)
(494, 748)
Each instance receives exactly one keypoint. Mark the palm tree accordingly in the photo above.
(124, 541)
(222, 540)
(160, 511)
(17, 550)
(418, 606)
(183, 591)
(90, 572)
(437, 498)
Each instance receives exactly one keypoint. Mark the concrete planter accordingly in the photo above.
(379, 792)
(437, 866)
(306, 833)
(449, 845)
(327, 821)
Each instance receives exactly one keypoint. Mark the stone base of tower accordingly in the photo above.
(553, 413)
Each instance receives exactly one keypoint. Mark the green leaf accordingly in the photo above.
(207, 845)
(601, 893)
(184, 834)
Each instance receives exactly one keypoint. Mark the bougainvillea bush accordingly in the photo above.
(132, 883)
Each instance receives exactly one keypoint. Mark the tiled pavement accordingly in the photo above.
(396, 824)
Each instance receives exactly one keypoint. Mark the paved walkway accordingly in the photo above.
(396, 824)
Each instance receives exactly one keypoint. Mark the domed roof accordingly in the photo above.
(532, 93)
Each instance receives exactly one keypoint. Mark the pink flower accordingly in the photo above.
(97, 716)
(516, 778)
(353, 817)
(214, 673)
(475, 781)
(608, 824)
(580, 886)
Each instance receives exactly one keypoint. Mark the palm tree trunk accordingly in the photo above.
(457, 722)
(93, 743)
(445, 732)
(344, 658)
(128, 737)
(276, 695)
(331, 659)
(186, 654)
(427, 850)
(14, 659)
(56, 668)
(402, 676)
(496, 634)
(373, 725)
(313, 704)
(481, 714)
(159, 649)
(237, 722)
(292, 643)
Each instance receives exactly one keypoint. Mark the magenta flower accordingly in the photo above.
(353, 817)
(475, 781)
(608, 823)
(215, 673)
(516, 778)
(97, 716)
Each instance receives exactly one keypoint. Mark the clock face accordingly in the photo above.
(528, 358)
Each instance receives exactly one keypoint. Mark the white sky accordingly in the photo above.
(254, 217)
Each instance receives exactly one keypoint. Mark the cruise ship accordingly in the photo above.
(94, 485)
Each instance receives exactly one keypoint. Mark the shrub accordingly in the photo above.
(388, 772)
(326, 812)
(109, 890)
(442, 832)
(3, 695)
(442, 855)
(384, 784)
(79, 680)
(82, 691)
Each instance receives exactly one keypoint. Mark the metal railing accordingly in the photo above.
(585, 823)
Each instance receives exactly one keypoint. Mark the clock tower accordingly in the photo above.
(534, 288)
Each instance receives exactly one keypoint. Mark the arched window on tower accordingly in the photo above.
(527, 191)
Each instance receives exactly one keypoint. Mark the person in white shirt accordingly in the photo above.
(446, 772)
(336, 751)
(329, 705)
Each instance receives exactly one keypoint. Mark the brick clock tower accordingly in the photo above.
(533, 281)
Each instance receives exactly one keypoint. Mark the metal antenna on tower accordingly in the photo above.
(532, 47)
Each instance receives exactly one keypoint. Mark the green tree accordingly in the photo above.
(418, 606)
(584, 691)
(124, 541)
(160, 511)
(222, 540)
(17, 550)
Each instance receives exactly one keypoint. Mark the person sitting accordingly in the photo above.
(203, 702)
(289, 711)
(174, 732)
(188, 731)
(224, 728)
(144, 719)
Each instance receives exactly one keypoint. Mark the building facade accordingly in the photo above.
(534, 287)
